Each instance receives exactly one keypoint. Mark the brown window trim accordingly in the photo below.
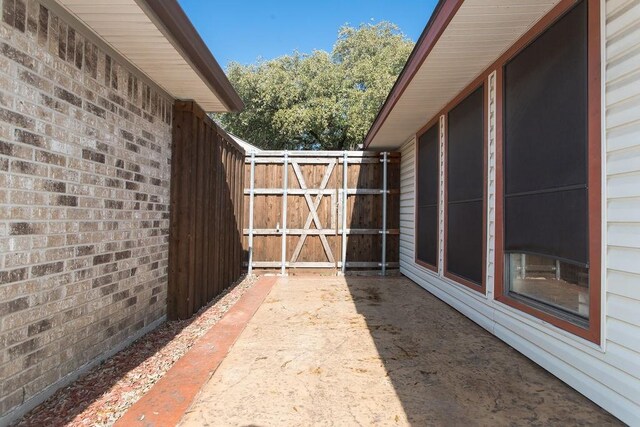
(424, 264)
(435, 120)
(482, 287)
(592, 332)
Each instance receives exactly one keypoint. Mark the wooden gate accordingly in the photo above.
(322, 210)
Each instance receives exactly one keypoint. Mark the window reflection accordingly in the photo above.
(550, 282)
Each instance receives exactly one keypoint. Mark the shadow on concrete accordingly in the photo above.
(446, 370)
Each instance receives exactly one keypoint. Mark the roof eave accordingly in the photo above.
(172, 20)
(442, 14)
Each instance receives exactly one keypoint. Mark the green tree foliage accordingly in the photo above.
(320, 100)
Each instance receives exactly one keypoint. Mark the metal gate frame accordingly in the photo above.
(331, 159)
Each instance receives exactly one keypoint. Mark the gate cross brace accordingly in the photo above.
(313, 211)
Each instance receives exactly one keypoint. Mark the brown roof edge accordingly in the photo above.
(444, 11)
(176, 23)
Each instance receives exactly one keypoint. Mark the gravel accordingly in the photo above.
(103, 395)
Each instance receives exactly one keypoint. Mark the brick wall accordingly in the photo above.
(84, 197)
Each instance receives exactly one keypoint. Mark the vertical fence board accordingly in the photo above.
(198, 212)
(239, 207)
(217, 197)
(206, 234)
(214, 216)
(231, 179)
(191, 230)
(224, 256)
(206, 211)
(184, 219)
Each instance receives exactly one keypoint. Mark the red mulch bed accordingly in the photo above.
(103, 395)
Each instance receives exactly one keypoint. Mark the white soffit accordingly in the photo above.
(126, 28)
(478, 34)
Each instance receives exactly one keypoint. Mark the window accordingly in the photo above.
(427, 189)
(551, 172)
(551, 283)
(465, 190)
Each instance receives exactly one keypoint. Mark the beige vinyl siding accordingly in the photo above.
(608, 374)
(407, 200)
(622, 124)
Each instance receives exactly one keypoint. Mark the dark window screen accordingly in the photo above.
(545, 143)
(465, 187)
(428, 180)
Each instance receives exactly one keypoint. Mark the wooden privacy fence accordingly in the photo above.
(205, 246)
(322, 209)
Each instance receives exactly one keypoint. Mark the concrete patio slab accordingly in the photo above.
(373, 351)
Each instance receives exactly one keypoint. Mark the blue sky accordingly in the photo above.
(244, 30)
